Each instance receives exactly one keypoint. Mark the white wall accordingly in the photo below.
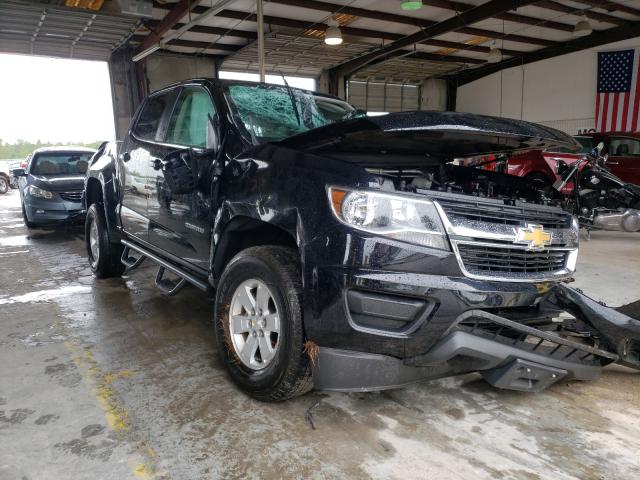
(165, 69)
(559, 92)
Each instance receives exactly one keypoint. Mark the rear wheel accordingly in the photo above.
(104, 255)
(259, 329)
(4, 184)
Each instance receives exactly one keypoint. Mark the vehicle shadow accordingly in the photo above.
(55, 235)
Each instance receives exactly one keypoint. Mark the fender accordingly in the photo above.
(101, 185)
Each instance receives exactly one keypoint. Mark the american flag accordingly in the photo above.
(618, 96)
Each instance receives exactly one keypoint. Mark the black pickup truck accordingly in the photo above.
(349, 252)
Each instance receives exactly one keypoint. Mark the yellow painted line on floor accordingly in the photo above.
(142, 461)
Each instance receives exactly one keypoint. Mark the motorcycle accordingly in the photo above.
(599, 199)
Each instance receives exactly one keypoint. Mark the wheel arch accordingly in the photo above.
(242, 232)
(95, 193)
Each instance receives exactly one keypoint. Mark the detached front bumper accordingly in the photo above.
(45, 212)
(509, 354)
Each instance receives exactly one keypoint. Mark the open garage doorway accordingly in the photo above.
(53, 101)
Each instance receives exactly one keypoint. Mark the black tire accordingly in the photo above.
(27, 223)
(289, 372)
(4, 184)
(540, 179)
(105, 263)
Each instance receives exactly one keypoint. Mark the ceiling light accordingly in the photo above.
(411, 5)
(495, 55)
(582, 28)
(333, 35)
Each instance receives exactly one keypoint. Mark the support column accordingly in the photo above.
(260, 20)
(433, 95)
(125, 91)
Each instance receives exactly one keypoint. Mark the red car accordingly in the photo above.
(623, 150)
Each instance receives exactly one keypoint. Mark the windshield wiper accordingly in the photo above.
(293, 100)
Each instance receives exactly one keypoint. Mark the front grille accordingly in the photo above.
(495, 212)
(74, 196)
(481, 259)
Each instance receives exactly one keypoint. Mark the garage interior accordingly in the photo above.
(121, 382)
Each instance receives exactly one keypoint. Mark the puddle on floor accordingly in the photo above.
(45, 295)
(14, 241)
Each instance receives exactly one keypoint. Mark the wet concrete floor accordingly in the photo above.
(110, 380)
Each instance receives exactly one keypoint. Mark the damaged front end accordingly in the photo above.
(531, 355)
(493, 293)
(570, 337)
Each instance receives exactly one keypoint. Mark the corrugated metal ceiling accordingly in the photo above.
(58, 31)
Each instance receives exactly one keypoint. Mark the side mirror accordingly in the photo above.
(18, 172)
(178, 171)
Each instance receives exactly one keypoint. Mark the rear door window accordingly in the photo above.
(148, 122)
(624, 147)
(190, 118)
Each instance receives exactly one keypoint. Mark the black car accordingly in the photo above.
(51, 186)
(348, 252)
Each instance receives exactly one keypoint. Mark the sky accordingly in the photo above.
(54, 100)
(68, 101)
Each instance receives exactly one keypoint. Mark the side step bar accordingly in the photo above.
(166, 286)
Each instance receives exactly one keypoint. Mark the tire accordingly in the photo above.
(540, 179)
(287, 373)
(27, 223)
(4, 184)
(103, 254)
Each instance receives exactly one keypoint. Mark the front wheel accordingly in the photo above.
(104, 255)
(4, 185)
(259, 329)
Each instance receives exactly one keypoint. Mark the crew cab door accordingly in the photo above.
(136, 158)
(181, 222)
(624, 158)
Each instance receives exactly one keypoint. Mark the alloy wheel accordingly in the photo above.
(94, 242)
(254, 324)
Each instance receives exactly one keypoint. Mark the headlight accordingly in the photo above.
(39, 192)
(403, 218)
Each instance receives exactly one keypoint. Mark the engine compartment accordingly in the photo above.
(466, 180)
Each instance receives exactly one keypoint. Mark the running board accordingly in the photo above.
(130, 263)
(166, 286)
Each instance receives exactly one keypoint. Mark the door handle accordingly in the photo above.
(125, 157)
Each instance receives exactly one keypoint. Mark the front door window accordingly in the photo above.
(189, 122)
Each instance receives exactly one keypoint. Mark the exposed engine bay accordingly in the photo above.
(466, 181)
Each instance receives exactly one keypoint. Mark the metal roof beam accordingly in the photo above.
(452, 24)
(169, 21)
(600, 17)
(612, 6)
(603, 37)
(351, 31)
(416, 22)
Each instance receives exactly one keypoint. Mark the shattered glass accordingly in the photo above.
(271, 113)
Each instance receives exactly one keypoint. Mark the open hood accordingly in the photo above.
(437, 135)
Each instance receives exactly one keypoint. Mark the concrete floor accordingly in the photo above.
(110, 380)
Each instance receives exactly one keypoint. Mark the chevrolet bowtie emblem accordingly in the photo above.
(534, 236)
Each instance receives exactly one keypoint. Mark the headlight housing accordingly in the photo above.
(39, 192)
(401, 217)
